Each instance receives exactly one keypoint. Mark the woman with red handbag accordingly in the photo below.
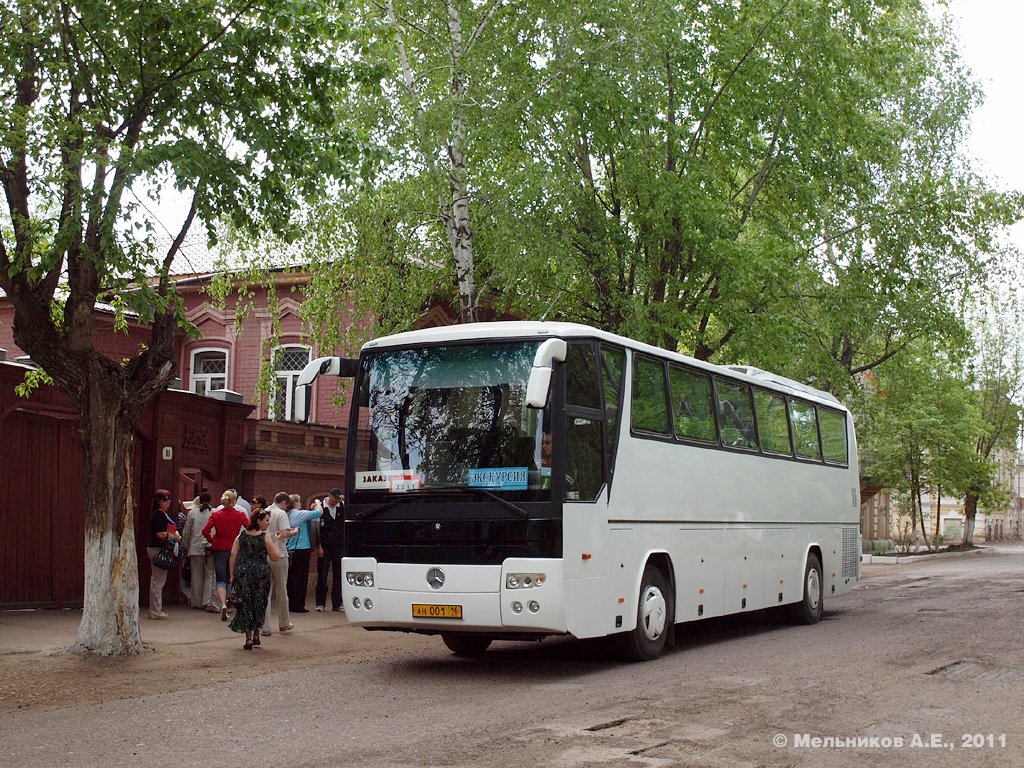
(162, 533)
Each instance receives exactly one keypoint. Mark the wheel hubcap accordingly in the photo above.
(653, 613)
(813, 589)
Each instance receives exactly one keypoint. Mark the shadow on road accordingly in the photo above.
(557, 658)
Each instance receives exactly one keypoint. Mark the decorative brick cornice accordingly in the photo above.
(207, 311)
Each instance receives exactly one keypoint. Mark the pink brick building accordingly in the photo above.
(278, 454)
(229, 354)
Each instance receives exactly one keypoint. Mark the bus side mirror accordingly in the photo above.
(537, 388)
(300, 407)
(548, 353)
(322, 366)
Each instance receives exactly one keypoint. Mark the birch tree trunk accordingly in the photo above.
(452, 186)
(460, 230)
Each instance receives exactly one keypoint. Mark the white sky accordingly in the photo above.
(991, 44)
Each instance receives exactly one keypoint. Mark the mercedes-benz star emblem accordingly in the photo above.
(435, 578)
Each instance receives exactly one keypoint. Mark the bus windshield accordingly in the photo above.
(452, 417)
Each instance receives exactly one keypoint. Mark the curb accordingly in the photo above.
(906, 559)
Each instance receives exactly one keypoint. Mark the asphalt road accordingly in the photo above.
(922, 664)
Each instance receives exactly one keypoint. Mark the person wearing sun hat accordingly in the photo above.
(199, 552)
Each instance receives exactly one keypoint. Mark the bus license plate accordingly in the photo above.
(423, 611)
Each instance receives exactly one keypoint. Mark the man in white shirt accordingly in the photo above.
(241, 503)
(279, 570)
(198, 552)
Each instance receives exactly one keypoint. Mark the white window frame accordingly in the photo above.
(195, 377)
(291, 377)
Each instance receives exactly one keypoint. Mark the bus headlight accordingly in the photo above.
(359, 578)
(524, 580)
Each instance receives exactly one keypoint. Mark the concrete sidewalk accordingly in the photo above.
(51, 630)
(190, 650)
(997, 548)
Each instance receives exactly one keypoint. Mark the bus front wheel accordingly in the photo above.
(466, 645)
(808, 610)
(653, 620)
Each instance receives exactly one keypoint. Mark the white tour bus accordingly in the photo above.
(524, 479)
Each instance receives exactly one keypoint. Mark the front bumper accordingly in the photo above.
(480, 592)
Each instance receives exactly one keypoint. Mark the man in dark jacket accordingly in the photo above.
(330, 551)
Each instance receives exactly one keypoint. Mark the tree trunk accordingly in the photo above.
(970, 513)
(938, 513)
(453, 206)
(460, 230)
(920, 517)
(110, 614)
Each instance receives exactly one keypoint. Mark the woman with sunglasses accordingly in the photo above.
(162, 533)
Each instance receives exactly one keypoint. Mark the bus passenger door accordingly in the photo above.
(593, 401)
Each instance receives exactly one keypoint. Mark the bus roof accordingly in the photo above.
(496, 331)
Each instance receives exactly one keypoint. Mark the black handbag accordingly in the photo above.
(234, 597)
(164, 559)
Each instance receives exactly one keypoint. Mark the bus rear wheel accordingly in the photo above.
(466, 645)
(654, 617)
(809, 610)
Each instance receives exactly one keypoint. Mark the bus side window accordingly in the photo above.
(582, 386)
(772, 423)
(735, 415)
(805, 429)
(833, 436)
(584, 467)
(612, 368)
(692, 412)
(649, 410)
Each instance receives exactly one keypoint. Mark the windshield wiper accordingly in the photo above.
(398, 499)
(474, 489)
(411, 495)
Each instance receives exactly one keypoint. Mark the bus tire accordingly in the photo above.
(654, 617)
(809, 609)
(466, 645)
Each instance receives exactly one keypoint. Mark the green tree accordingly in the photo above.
(747, 180)
(918, 423)
(998, 373)
(100, 98)
(427, 114)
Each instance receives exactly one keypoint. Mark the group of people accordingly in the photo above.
(257, 553)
